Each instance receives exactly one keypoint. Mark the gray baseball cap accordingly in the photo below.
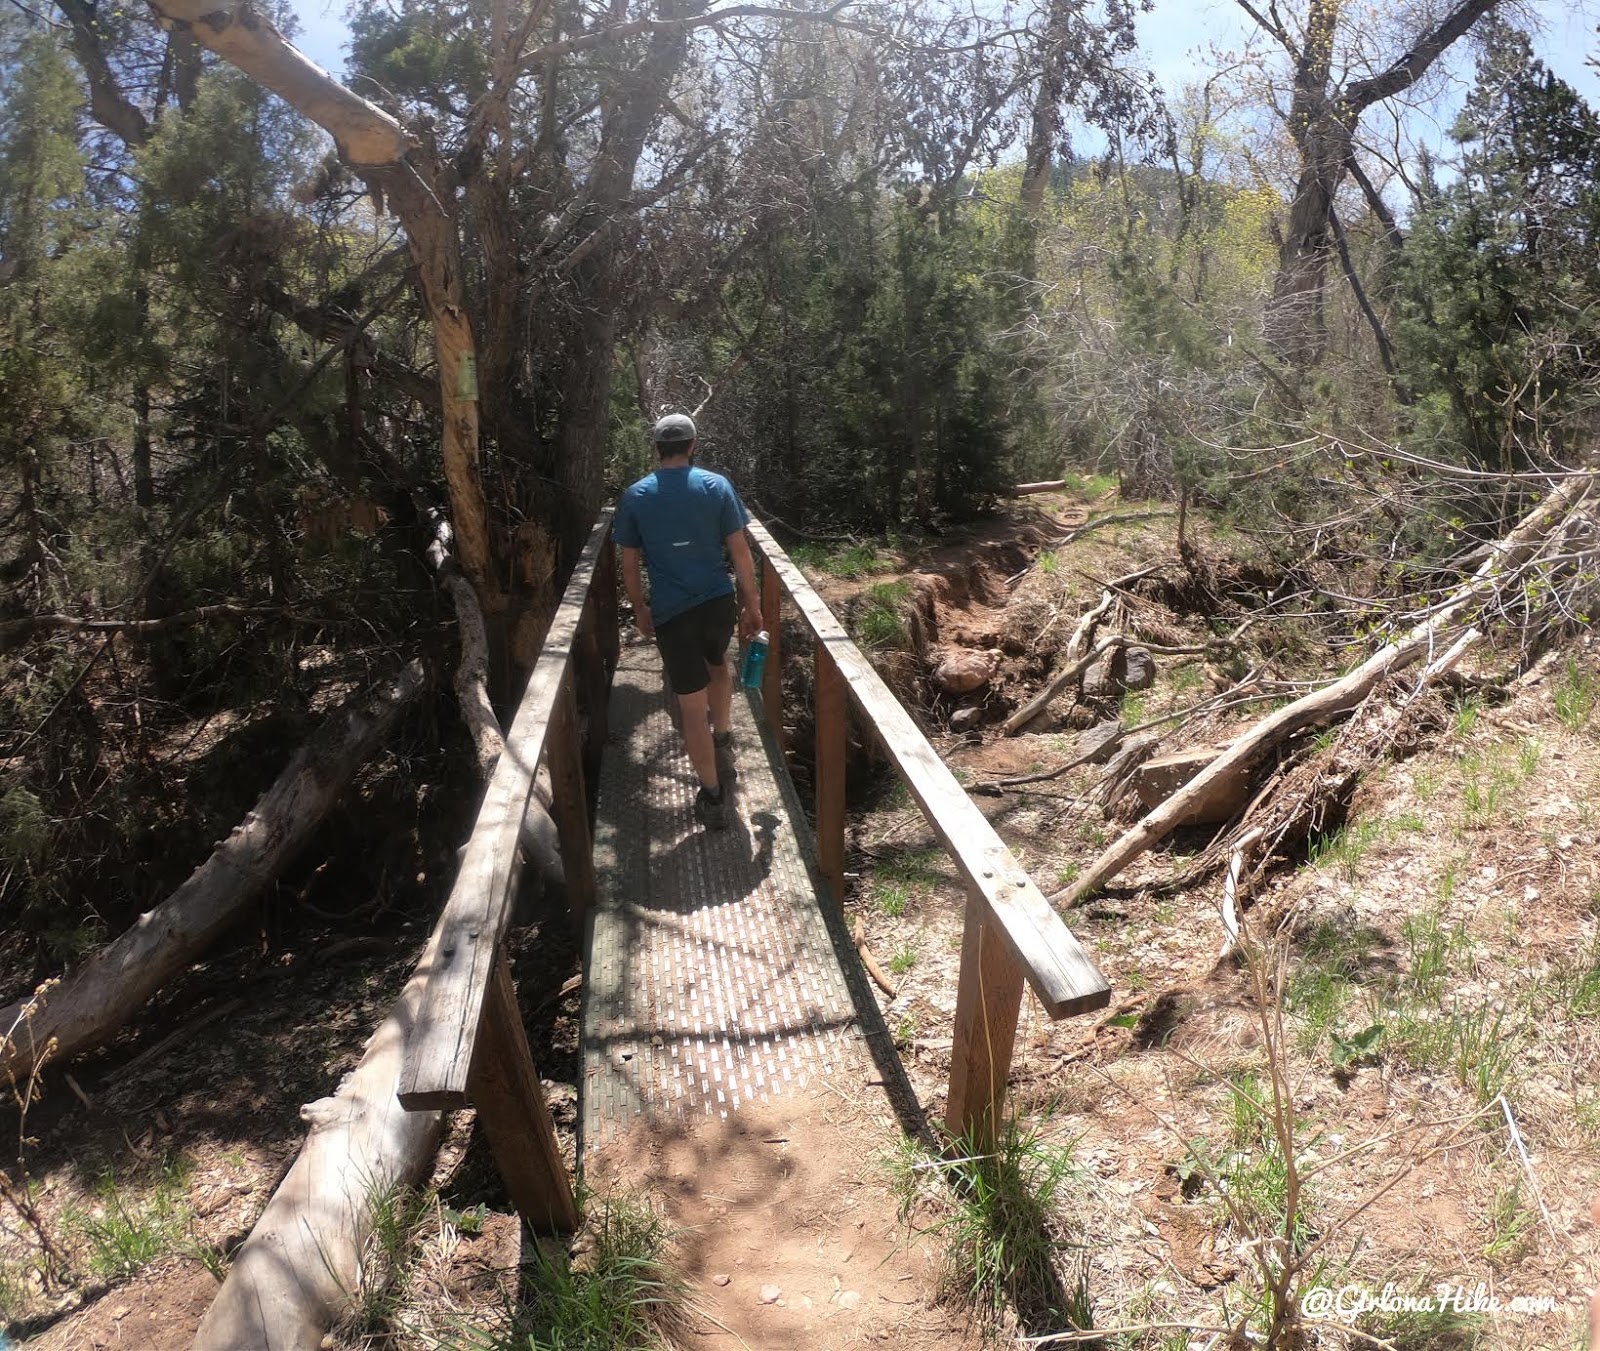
(674, 429)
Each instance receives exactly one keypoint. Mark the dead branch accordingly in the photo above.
(96, 999)
(1500, 570)
(870, 962)
(1077, 664)
(13, 631)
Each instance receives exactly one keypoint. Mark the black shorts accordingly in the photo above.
(695, 639)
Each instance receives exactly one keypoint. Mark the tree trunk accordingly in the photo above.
(1295, 317)
(88, 1007)
(1045, 128)
(378, 148)
(586, 391)
(1322, 122)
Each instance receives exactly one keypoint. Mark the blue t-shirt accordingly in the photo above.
(680, 517)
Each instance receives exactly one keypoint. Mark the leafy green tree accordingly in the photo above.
(41, 187)
(1500, 291)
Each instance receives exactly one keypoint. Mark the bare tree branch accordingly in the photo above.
(1413, 65)
(108, 105)
(1272, 28)
(617, 32)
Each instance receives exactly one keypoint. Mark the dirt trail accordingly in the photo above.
(788, 1228)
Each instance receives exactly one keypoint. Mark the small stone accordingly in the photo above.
(965, 719)
(770, 1294)
(721, 1278)
(1099, 742)
(1139, 669)
(850, 1299)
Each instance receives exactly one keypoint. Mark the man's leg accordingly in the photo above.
(697, 738)
(721, 695)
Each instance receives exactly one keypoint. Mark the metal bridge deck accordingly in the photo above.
(715, 980)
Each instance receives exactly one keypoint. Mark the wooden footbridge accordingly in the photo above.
(717, 971)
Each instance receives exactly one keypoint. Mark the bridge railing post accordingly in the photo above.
(772, 676)
(504, 1086)
(988, 1005)
(832, 713)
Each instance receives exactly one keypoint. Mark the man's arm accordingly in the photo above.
(633, 580)
(744, 572)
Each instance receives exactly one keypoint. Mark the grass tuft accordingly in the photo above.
(850, 561)
(1576, 696)
(126, 1231)
(880, 618)
(620, 1294)
(999, 1224)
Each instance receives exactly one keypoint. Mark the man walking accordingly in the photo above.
(679, 520)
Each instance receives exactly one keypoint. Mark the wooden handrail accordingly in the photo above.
(1011, 932)
(463, 950)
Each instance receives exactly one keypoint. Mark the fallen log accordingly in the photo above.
(1073, 670)
(1424, 640)
(540, 841)
(91, 1003)
(1054, 485)
(300, 1268)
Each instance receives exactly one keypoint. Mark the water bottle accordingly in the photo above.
(755, 660)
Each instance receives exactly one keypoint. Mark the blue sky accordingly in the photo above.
(1174, 38)
(1177, 37)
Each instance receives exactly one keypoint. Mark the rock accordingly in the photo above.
(721, 1278)
(1138, 669)
(963, 669)
(1158, 779)
(965, 719)
(1103, 680)
(770, 1294)
(850, 1299)
(1098, 742)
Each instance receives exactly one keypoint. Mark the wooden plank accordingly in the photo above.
(569, 805)
(605, 607)
(593, 679)
(988, 1002)
(505, 1089)
(832, 712)
(1057, 968)
(772, 676)
(467, 936)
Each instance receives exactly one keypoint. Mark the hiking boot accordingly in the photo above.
(710, 809)
(727, 766)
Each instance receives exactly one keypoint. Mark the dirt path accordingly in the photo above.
(789, 1230)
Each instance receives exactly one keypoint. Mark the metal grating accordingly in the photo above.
(712, 980)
